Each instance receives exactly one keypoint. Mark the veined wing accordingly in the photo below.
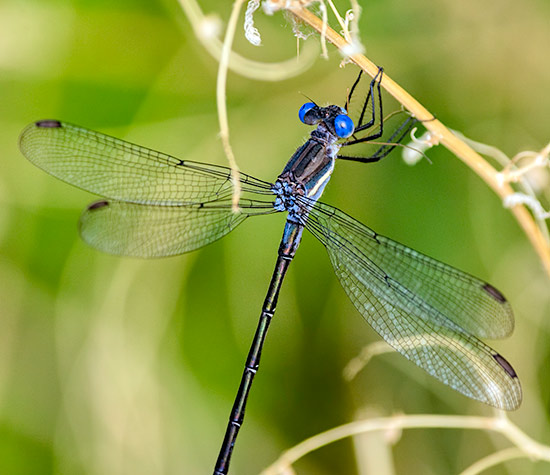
(455, 298)
(428, 311)
(138, 230)
(158, 205)
(119, 170)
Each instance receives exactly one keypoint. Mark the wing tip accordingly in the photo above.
(503, 363)
(28, 132)
(510, 400)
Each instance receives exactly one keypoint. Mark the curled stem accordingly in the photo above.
(499, 423)
(205, 28)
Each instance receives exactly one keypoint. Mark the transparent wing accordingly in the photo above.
(426, 310)
(138, 230)
(451, 296)
(123, 171)
(158, 205)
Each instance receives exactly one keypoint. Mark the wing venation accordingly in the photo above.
(411, 301)
(123, 171)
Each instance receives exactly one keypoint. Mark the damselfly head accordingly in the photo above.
(333, 117)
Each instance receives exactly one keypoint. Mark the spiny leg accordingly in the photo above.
(370, 96)
(375, 83)
(352, 90)
(393, 141)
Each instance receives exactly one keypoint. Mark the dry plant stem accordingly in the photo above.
(222, 106)
(514, 175)
(339, 19)
(500, 424)
(445, 136)
(239, 64)
(367, 353)
(494, 459)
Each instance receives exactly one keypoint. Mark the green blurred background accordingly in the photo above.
(118, 366)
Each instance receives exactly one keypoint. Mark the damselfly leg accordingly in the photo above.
(373, 101)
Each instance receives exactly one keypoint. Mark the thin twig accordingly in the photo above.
(205, 28)
(367, 353)
(445, 136)
(510, 172)
(222, 105)
(494, 459)
(500, 424)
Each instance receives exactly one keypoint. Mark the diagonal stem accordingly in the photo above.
(457, 146)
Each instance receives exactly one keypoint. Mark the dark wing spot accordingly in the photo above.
(98, 205)
(494, 293)
(50, 124)
(505, 365)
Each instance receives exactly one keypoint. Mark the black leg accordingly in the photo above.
(396, 137)
(375, 83)
(393, 141)
(370, 96)
(352, 90)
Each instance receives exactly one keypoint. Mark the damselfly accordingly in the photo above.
(158, 205)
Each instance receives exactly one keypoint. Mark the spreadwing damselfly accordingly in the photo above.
(157, 205)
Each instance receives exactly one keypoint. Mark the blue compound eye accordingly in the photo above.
(304, 109)
(343, 126)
